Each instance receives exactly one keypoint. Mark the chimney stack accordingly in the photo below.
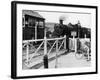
(61, 21)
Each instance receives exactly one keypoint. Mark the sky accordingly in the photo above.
(85, 19)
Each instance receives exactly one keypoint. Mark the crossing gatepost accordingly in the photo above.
(75, 45)
(73, 33)
(88, 55)
(56, 63)
(45, 59)
(27, 52)
(65, 42)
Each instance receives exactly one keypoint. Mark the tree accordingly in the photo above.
(48, 33)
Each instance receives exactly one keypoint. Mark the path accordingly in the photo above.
(69, 60)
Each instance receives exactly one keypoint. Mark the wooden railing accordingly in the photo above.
(44, 42)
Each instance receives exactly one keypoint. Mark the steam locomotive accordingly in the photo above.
(34, 27)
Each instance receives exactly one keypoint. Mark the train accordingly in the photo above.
(34, 27)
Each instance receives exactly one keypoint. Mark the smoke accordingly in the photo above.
(62, 18)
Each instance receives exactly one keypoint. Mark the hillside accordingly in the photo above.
(50, 25)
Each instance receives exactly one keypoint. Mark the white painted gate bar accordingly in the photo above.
(44, 41)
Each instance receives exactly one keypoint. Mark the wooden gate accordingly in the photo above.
(41, 47)
(73, 44)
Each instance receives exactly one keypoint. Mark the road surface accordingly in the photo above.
(69, 60)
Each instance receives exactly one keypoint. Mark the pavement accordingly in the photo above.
(69, 60)
(63, 60)
(37, 62)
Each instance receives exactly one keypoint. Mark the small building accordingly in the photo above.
(33, 25)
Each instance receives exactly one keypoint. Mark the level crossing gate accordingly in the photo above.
(30, 50)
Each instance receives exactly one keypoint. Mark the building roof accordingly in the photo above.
(32, 13)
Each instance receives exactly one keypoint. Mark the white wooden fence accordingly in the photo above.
(44, 42)
(57, 44)
(73, 44)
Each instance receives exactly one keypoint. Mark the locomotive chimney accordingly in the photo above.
(61, 21)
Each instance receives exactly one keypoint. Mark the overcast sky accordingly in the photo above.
(85, 19)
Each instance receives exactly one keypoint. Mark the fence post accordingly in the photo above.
(36, 31)
(65, 42)
(75, 45)
(27, 53)
(85, 36)
(45, 53)
(88, 54)
(69, 44)
(56, 63)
